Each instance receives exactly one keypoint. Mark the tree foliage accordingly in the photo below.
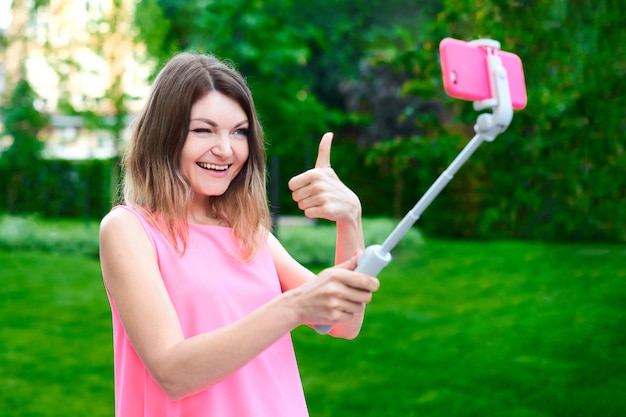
(558, 171)
(295, 56)
(253, 36)
(22, 124)
(373, 73)
(370, 72)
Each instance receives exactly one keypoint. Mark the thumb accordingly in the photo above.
(350, 264)
(323, 154)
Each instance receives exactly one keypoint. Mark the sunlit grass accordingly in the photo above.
(471, 328)
(55, 338)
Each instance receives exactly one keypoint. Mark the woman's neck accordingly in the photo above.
(200, 213)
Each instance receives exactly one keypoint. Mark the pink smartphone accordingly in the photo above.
(465, 73)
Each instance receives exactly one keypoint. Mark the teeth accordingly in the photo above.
(212, 167)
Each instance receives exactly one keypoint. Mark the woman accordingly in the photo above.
(203, 296)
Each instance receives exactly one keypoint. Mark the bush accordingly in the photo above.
(315, 245)
(68, 237)
(61, 188)
(312, 245)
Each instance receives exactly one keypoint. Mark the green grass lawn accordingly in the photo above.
(55, 338)
(457, 329)
(482, 329)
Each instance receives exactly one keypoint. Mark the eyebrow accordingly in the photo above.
(214, 124)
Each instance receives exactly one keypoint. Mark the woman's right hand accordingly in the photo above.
(335, 295)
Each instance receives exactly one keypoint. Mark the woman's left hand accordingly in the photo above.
(320, 193)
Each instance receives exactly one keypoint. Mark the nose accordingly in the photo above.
(222, 146)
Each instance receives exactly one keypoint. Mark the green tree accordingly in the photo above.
(261, 41)
(558, 171)
(370, 69)
(23, 123)
(568, 144)
(253, 36)
(296, 56)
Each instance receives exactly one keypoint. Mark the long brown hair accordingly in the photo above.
(153, 179)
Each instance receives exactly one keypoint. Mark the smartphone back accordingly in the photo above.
(466, 76)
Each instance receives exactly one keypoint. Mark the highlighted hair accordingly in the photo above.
(153, 180)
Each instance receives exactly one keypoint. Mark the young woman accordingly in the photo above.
(203, 296)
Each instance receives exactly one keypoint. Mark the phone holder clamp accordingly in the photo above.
(489, 125)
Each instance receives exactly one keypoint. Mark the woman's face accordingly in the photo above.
(216, 147)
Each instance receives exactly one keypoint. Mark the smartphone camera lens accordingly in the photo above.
(453, 78)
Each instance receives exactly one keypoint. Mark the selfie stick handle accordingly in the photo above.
(375, 257)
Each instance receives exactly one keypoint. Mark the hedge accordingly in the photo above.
(61, 188)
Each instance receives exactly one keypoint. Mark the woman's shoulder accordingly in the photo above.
(123, 226)
(123, 220)
(119, 216)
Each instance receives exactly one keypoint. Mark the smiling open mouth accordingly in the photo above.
(212, 167)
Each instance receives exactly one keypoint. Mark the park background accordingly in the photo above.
(506, 299)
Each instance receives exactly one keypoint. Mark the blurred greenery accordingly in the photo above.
(458, 328)
(23, 124)
(370, 72)
(318, 247)
(64, 189)
(63, 237)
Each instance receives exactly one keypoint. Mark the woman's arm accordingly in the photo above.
(321, 194)
(335, 296)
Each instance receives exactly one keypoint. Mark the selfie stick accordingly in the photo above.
(488, 125)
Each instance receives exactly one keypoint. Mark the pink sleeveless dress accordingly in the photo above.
(209, 289)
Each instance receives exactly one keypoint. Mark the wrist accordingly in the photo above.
(353, 216)
(289, 313)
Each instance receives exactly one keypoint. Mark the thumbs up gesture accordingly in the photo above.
(320, 193)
